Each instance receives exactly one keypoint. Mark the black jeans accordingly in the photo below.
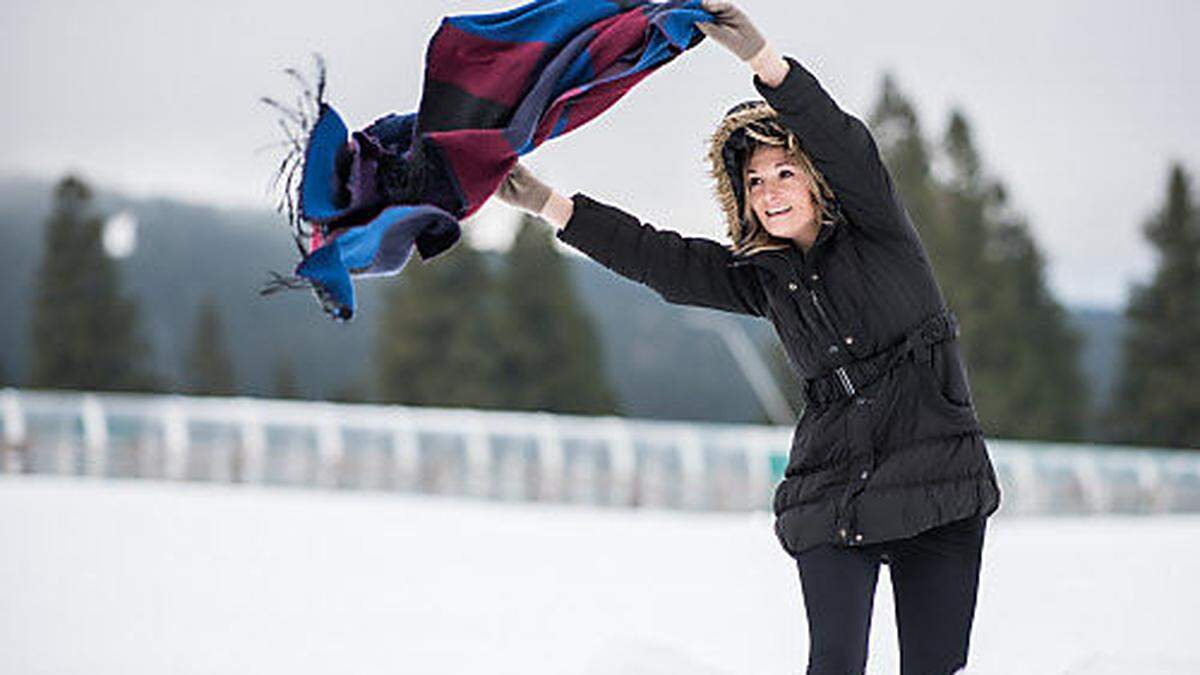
(935, 575)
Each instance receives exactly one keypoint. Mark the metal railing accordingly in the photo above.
(514, 456)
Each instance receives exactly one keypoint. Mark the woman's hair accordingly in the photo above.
(746, 128)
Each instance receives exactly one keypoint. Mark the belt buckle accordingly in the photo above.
(844, 378)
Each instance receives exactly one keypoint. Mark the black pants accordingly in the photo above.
(935, 575)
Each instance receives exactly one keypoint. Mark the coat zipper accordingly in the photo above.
(816, 301)
(812, 293)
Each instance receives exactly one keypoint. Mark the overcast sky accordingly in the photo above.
(1078, 106)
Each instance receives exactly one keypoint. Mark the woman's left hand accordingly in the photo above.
(521, 189)
(733, 29)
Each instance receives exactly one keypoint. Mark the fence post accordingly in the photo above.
(330, 447)
(478, 454)
(254, 442)
(95, 436)
(623, 460)
(692, 469)
(175, 438)
(551, 459)
(405, 452)
(14, 431)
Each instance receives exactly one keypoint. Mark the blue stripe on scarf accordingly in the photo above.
(549, 21)
(317, 189)
(381, 247)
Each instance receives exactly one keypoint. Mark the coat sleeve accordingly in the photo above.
(842, 149)
(683, 270)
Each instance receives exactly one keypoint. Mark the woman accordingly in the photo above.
(888, 463)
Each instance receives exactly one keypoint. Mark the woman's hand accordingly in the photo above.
(733, 29)
(522, 190)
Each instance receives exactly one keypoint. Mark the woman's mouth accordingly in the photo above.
(775, 213)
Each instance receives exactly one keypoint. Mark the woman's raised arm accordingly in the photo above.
(840, 145)
(841, 148)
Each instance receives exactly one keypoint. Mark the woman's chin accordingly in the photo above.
(789, 229)
(785, 230)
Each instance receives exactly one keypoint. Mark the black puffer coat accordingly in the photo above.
(889, 446)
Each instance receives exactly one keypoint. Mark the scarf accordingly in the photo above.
(496, 86)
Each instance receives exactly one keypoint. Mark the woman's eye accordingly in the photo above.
(787, 173)
(755, 181)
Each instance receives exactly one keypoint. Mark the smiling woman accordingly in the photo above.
(888, 463)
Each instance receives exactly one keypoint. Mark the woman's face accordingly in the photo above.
(780, 194)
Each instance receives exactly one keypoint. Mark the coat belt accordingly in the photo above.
(845, 381)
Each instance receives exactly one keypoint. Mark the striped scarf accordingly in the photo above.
(496, 86)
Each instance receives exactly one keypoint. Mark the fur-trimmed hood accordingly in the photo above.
(728, 188)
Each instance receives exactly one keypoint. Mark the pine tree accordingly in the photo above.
(85, 332)
(897, 132)
(1022, 354)
(209, 368)
(1157, 398)
(435, 343)
(552, 358)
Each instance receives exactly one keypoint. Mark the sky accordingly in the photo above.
(1079, 107)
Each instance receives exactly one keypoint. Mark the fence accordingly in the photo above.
(511, 455)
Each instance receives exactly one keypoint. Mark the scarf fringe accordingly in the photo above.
(296, 121)
(279, 282)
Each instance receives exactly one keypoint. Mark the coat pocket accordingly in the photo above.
(946, 378)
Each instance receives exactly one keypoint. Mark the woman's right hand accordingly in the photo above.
(732, 29)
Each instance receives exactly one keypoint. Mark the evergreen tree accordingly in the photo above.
(1157, 398)
(1022, 354)
(209, 368)
(85, 332)
(435, 343)
(551, 355)
(897, 131)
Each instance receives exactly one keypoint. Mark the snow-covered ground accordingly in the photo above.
(137, 578)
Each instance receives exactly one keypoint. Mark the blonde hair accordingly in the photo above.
(763, 126)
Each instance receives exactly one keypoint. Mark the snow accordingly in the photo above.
(130, 577)
(120, 235)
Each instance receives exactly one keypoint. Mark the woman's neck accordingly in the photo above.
(806, 239)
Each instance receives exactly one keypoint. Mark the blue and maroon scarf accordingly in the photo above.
(496, 87)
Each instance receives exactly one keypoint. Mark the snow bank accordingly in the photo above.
(118, 577)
